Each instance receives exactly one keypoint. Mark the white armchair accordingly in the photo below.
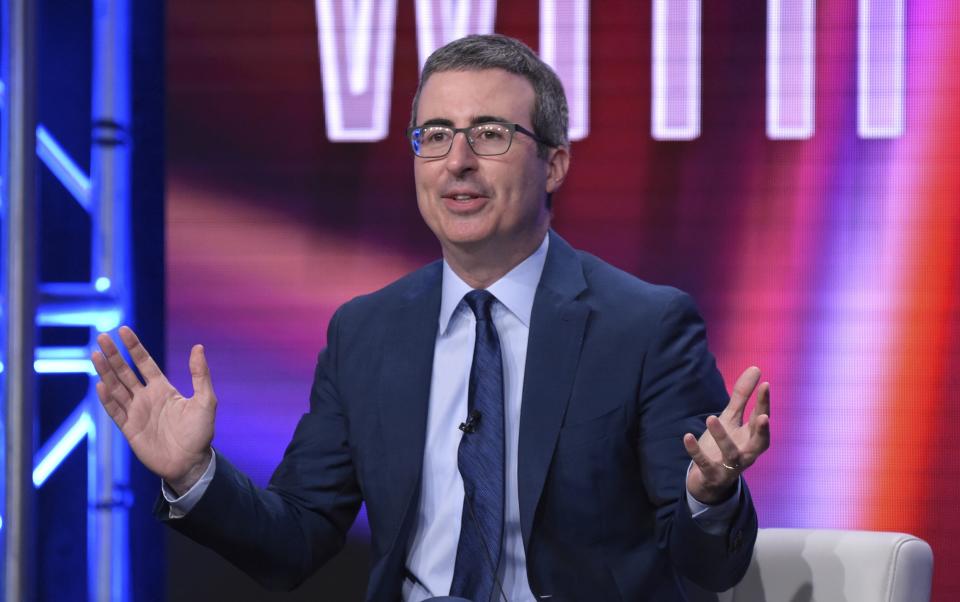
(820, 565)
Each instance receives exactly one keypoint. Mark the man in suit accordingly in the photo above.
(574, 474)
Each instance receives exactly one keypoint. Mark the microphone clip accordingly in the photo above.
(472, 422)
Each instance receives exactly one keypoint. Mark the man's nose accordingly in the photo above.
(461, 157)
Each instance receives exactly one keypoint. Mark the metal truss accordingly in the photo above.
(99, 305)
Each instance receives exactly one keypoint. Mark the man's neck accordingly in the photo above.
(481, 267)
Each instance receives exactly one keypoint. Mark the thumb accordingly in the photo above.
(200, 373)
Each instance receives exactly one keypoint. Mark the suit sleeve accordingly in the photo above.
(680, 387)
(280, 535)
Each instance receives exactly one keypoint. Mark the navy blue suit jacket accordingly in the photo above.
(617, 371)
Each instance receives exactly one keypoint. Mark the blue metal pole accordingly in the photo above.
(19, 214)
(109, 489)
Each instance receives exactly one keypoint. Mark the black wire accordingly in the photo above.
(486, 550)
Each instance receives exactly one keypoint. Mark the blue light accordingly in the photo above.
(67, 437)
(103, 320)
(63, 360)
(63, 167)
(102, 284)
(64, 366)
(62, 353)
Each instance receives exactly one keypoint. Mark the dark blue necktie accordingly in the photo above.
(481, 463)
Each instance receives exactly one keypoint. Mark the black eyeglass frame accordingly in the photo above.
(513, 128)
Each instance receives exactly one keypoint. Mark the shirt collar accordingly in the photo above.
(515, 290)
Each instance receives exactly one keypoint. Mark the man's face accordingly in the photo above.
(469, 201)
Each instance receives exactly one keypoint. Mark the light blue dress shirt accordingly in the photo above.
(432, 550)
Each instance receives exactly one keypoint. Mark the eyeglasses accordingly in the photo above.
(485, 139)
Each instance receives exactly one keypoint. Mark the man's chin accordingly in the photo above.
(466, 232)
(468, 242)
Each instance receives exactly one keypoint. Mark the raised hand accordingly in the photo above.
(168, 432)
(728, 446)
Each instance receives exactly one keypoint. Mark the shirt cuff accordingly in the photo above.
(180, 506)
(714, 519)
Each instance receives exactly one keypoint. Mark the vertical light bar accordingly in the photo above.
(443, 21)
(675, 106)
(108, 491)
(565, 46)
(356, 64)
(790, 69)
(880, 68)
(3, 330)
(18, 207)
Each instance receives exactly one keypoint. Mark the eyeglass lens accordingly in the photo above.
(484, 139)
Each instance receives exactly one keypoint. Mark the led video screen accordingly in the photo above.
(793, 165)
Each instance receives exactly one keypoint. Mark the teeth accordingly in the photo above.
(463, 197)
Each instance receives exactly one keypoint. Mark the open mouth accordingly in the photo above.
(463, 196)
(464, 202)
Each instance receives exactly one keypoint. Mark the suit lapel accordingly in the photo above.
(553, 352)
(405, 388)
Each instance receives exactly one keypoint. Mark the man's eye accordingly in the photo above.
(492, 133)
(435, 135)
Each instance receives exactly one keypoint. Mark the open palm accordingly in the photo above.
(168, 432)
(729, 446)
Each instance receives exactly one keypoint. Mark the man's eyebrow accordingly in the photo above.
(437, 121)
(473, 121)
(487, 119)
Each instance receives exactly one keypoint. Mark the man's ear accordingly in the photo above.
(558, 162)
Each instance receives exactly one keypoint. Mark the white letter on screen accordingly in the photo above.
(443, 21)
(675, 106)
(790, 68)
(880, 69)
(356, 65)
(564, 45)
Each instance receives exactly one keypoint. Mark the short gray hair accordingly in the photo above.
(495, 51)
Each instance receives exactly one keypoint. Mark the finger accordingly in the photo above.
(107, 375)
(695, 452)
(114, 409)
(145, 364)
(114, 391)
(762, 407)
(110, 378)
(200, 372)
(763, 401)
(728, 449)
(742, 390)
(760, 434)
(118, 365)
